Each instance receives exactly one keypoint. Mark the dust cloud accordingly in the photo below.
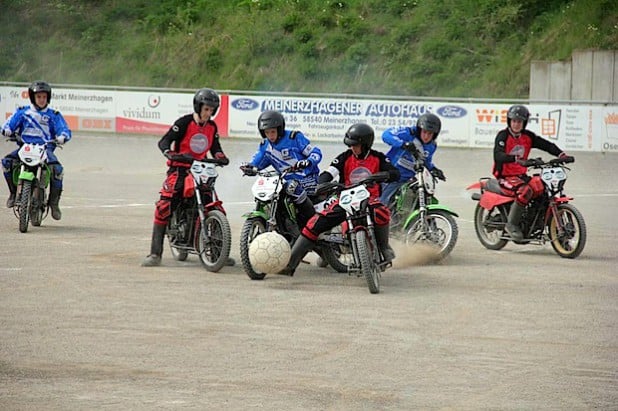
(413, 255)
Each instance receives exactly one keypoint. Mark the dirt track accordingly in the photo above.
(83, 326)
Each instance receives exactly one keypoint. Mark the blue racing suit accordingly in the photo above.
(38, 126)
(404, 160)
(292, 147)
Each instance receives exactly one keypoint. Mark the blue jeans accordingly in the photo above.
(388, 189)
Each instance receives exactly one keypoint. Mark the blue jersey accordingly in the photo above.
(286, 152)
(403, 159)
(37, 126)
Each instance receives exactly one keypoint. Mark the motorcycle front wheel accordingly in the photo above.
(38, 204)
(489, 226)
(439, 229)
(214, 240)
(571, 241)
(368, 266)
(25, 204)
(251, 228)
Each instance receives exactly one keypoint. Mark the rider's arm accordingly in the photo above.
(396, 136)
(260, 159)
(61, 127)
(215, 149)
(175, 134)
(545, 145)
(13, 124)
(385, 165)
(335, 170)
(311, 152)
(500, 155)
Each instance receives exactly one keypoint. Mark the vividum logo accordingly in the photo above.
(245, 104)
(452, 111)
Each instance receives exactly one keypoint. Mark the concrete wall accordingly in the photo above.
(590, 75)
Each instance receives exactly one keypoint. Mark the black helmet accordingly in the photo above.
(208, 97)
(429, 122)
(271, 119)
(517, 112)
(37, 87)
(359, 133)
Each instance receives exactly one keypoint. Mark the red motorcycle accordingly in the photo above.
(547, 218)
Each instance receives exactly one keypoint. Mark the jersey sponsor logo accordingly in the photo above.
(198, 143)
(359, 174)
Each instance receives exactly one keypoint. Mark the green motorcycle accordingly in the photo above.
(417, 217)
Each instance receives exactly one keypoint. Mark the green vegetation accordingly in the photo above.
(445, 48)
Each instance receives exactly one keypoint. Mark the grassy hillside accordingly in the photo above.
(456, 48)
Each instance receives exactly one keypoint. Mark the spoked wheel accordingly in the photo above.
(38, 205)
(571, 241)
(489, 226)
(172, 235)
(252, 227)
(337, 254)
(369, 268)
(214, 240)
(439, 230)
(25, 202)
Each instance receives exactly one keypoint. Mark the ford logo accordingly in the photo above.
(245, 104)
(452, 111)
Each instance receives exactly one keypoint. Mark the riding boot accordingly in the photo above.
(54, 199)
(156, 246)
(381, 233)
(305, 212)
(512, 225)
(301, 247)
(10, 202)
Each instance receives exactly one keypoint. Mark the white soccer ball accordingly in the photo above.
(269, 253)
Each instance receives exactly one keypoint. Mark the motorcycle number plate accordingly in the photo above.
(553, 175)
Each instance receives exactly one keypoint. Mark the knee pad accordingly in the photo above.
(536, 184)
(57, 171)
(7, 165)
(163, 211)
(381, 215)
(524, 194)
(295, 191)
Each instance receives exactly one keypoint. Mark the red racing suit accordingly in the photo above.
(511, 175)
(350, 169)
(186, 136)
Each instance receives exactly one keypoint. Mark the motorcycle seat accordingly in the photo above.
(491, 184)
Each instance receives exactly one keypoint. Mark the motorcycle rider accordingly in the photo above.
(192, 135)
(511, 147)
(281, 148)
(406, 142)
(350, 166)
(37, 123)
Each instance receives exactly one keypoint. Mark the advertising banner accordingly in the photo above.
(466, 125)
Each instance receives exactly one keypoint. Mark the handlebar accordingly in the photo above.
(188, 159)
(539, 162)
(335, 187)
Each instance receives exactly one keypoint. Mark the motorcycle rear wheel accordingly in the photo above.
(368, 266)
(214, 240)
(442, 232)
(25, 204)
(338, 256)
(572, 242)
(178, 254)
(489, 226)
(251, 228)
